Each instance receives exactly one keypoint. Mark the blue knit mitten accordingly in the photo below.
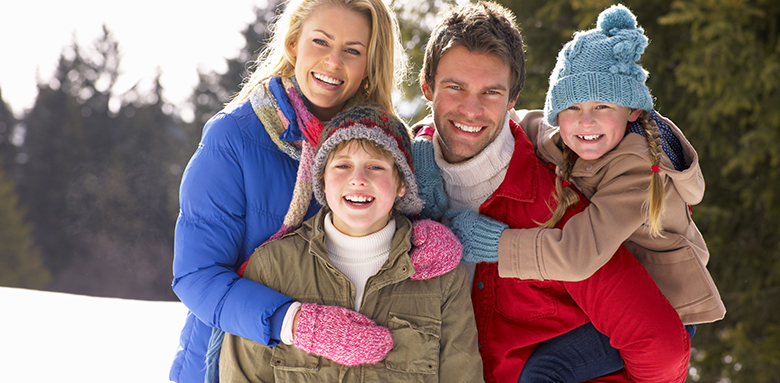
(478, 234)
(428, 179)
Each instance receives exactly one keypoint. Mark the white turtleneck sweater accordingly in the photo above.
(358, 257)
(470, 183)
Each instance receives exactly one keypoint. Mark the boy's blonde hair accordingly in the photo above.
(654, 204)
(386, 64)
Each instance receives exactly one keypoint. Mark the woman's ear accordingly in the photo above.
(292, 49)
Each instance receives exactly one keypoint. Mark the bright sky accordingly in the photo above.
(175, 35)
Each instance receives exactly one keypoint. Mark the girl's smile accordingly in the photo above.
(591, 129)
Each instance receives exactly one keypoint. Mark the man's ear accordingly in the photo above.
(512, 102)
(635, 113)
(427, 91)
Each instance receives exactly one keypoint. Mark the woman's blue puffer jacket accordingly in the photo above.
(234, 194)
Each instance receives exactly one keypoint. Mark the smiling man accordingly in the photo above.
(481, 161)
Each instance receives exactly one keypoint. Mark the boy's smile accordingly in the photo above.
(360, 189)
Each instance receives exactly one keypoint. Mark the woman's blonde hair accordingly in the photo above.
(654, 205)
(386, 65)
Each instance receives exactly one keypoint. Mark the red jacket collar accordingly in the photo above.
(522, 177)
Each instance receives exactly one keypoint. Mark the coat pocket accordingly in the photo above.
(293, 365)
(415, 344)
(523, 301)
(680, 275)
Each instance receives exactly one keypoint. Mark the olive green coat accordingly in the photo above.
(432, 321)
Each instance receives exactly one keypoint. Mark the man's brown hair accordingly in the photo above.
(483, 27)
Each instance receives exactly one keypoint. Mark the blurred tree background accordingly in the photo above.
(89, 178)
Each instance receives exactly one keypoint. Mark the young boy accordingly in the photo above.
(355, 253)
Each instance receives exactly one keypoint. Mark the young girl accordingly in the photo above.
(237, 190)
(355, 253)
(641, 176)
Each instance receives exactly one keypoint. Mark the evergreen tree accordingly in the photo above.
(53, 129)
(100, 185)
(728, 66)
(21, 264)
(7, 124)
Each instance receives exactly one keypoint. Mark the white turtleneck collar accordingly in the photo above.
(469, 183)
(358, 258)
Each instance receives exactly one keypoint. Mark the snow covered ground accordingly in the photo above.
(55, 337)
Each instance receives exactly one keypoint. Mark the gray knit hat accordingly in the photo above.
(373, 123)
(601, 65)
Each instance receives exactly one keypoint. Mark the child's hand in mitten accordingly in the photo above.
(436, 249)
(341, 335)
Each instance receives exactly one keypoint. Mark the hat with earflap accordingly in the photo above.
(601, 65)
(373, 123)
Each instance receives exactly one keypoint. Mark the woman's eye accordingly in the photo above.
(353, 51)
(320, 42)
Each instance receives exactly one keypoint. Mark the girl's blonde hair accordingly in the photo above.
(654, 205)
(386, 65)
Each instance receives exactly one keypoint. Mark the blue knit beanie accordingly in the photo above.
(601, 65)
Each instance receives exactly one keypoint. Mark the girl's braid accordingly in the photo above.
(655, 203)
(564, 197)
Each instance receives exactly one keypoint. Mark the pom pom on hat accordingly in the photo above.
(373, 123)
(616, 16)
(601, 65)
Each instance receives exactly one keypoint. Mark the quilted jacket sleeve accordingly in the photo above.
(209, 237)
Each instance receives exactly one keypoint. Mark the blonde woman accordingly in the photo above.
(238, 190)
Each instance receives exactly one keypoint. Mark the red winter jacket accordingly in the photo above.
(620, 299)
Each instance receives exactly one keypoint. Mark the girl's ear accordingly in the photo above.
(635, 113)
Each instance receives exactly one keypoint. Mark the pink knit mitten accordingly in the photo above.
(341, 335)
(436, 249)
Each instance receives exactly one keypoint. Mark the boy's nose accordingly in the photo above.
(358, 178)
